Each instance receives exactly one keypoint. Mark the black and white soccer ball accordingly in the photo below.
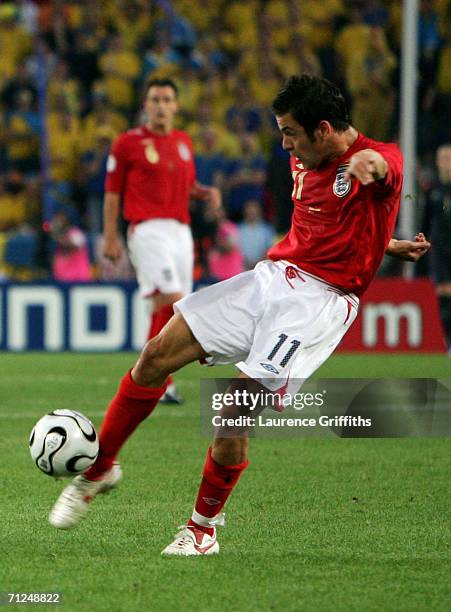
(64, 443)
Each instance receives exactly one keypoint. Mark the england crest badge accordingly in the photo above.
(342, 185)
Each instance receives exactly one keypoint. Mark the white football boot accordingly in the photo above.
(190, 541)
(171, 396)
(73, 503)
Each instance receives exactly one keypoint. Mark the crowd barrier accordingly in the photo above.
(395, 316)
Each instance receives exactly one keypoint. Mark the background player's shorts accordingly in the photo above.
(276, 323)
(161, 251)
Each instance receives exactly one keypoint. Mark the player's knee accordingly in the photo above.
(151, 368)
(230, 451)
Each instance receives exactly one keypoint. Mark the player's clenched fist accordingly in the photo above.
(367, 166)
(409, 250)
(112, 249)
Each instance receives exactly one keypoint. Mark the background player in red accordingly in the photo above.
(283, 319)
(151, 178)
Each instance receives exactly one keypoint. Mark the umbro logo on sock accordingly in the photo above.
(211, 501)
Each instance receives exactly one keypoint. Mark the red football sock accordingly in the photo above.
(158, 320)
(217, 483)
(131, 405)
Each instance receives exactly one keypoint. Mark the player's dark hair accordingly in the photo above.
(162, 83)
(309, 100)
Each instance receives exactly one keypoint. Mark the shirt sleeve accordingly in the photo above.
(393, 156)
(193, 165)
(189, 143)
(116, 166)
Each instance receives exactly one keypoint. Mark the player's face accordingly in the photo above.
(297, 143)
(160, 106)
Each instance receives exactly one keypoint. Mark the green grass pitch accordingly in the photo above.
(313, 525)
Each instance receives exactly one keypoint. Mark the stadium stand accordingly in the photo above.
(72, 73)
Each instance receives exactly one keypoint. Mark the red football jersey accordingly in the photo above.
(340, 229)
(153, 173)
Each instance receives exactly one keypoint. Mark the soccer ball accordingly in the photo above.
(64, 443)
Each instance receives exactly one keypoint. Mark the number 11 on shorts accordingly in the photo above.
(295, 344)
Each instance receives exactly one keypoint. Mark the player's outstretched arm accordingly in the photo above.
(367, 166)
(112, 246)
(409, 250)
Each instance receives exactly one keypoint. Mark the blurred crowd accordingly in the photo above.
(71, 78)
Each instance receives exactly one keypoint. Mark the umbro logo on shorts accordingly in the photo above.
(270, 368)
(167, 273)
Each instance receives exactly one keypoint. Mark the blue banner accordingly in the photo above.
(72, 317)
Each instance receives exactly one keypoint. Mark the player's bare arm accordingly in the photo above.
(409, 250)
(367, 166)
(211, 195)
(112, 246)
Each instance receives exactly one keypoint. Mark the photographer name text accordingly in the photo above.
(265, 421)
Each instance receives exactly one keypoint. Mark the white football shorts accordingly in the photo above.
(161, 251)
(277, 323)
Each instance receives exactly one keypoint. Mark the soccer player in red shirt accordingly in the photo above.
(283, 319)
(151, 176)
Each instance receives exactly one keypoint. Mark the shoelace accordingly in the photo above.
(80, 489)
(72, 498)
(291, 273)
(183, 537)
